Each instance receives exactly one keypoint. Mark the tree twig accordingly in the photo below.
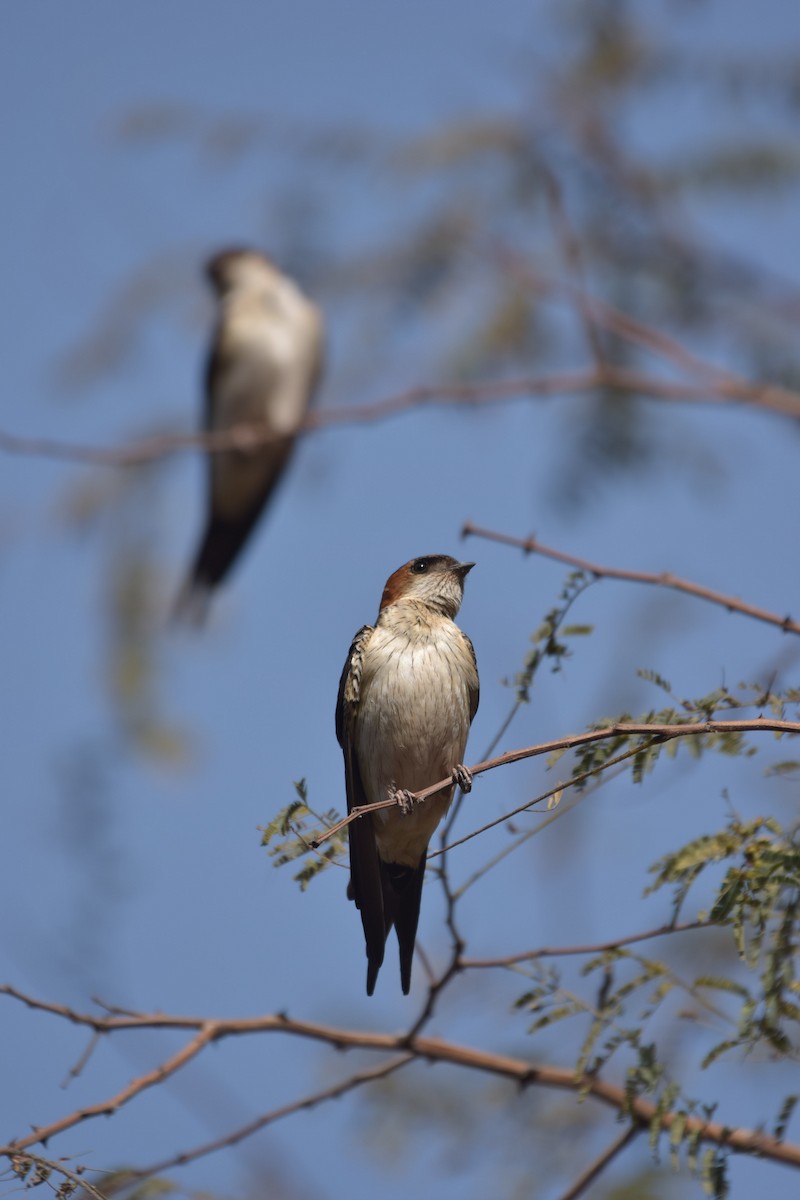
(588, 1176)
(665, 579)
(248, 437)
(643, 1112)
(663, 733)
(106, 1107)
(381, 1071)
(510, 960)
(57, 1165)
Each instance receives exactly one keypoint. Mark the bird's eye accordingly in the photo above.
(419, 566)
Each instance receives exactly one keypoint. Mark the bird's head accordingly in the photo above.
(436, 580)
(240, 268)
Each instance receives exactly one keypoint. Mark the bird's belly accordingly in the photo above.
(412, 731)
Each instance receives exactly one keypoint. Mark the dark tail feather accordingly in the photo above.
(366, 888)
(387, 894)
(219, 548)
(402, 897)
(373, 966)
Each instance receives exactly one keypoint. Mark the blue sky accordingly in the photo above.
(147, 885)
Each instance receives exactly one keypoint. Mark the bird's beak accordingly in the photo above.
(464, 569)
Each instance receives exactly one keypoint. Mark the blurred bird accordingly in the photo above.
(407, 696)
(263, 367)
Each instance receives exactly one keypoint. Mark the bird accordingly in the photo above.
(262, 370)
(407, 697)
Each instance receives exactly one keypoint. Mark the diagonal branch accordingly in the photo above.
(711, 390)
(510, 960)
(276, 1114)
(664, 733)
(22, 1165)
(588, 1176)
(627, 327)
(642, 1112)
(665, 579)
(104, 1108)
(574, 781)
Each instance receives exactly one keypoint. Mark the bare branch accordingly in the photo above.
(589, 948)
(248, 437)
(600, 1163)
(665, 579)
(75, 1071)
(642, 1112)
(276, 1114)
(561, 786)
(725, 383)
(107, 1107)
(664, 733)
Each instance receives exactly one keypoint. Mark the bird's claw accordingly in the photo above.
(462, 776)
(405, 799)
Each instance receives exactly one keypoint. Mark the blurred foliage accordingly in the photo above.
(121, 511)
(479, 223)
(758, 900)
(298, 837)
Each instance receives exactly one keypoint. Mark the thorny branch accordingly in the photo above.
(643, 1113)
(664, 733)
(665, 579)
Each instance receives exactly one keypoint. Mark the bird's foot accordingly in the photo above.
(405, 799)
(463, 777)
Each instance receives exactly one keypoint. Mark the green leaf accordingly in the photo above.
(676, 1132)
(721, 984)
(654, 677)
(785, 1115)
(721, 1048)
(789, 767)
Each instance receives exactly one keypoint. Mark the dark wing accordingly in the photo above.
(365, 874)
(474, 692)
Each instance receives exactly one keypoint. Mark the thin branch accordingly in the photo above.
(642, 1112)
(276, 1114)
(561, 786)
(724, 382)
(77, 1178)
(589, 948)
(665, 579)
(664, 733)
(75, 1071)
(107, 1107)
(600, 1163)
(248, 437)
(573, 260)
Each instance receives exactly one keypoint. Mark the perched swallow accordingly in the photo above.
(407, 696)
(262, 370)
